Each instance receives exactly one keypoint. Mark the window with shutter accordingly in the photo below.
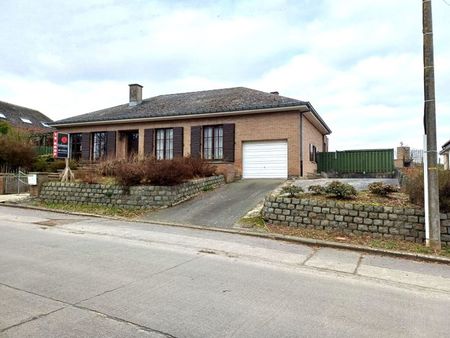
(86, 146)
(178, 142)
(111, 144)
(164, 144)
(228, 142)
(99, 146)
(196, 141)
(213, 142)
(148, 142)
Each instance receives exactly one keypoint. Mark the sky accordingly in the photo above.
(359, 62)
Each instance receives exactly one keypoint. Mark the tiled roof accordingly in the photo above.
(14, 114)
(193, 103)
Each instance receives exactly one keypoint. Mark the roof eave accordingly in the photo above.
(318, 117)
(301, 108)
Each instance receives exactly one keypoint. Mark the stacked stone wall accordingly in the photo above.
(352, 218)
(134, 197)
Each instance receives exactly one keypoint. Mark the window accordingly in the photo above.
(26, 120)
(164, 144)
(45, 124)
(213, 143)
(99, 150)
(312, 153)
(2, 116)
(75, 146)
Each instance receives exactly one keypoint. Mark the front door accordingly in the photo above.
(132, 143)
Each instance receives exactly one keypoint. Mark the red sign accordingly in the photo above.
(60, 145)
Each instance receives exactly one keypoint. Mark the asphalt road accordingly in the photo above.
(70, 276)
(222, 207)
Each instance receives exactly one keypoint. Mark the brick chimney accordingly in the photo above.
(135, 94)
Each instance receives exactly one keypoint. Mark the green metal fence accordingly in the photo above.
(356, 161)
(44, 150)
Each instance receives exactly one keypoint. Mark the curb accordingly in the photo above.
(285, 238)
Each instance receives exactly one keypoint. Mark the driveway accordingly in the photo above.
(358, 183)
(222, 207)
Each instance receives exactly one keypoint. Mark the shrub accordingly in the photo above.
(156, 172)
(413, 185)
(15, 153)
(317, 189)
(167, 172)
(129, 174)
(88, 177)
(381, 189)
(292, 190)
(109, 167)
(200, 167)
(340, 190)
(46, 163)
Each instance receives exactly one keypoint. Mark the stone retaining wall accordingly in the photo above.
(134, 197)
(375, 221)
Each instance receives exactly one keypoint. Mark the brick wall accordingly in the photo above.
(254, 127)
(116, 196)
(310, 136)
(375, 221)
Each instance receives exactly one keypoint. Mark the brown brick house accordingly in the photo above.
(247, 133)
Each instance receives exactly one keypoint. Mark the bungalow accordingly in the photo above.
(446, 153)
(245, 132)
(30, 121)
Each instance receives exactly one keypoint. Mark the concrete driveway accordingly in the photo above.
(222, 207)
(358, 183)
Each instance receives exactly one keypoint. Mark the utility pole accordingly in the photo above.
(432, 195)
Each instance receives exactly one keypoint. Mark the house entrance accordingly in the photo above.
(132, 143)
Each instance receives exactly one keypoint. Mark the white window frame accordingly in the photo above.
(2, 116)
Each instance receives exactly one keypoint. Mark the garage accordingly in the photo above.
(266, 159)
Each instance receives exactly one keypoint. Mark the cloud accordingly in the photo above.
(359, 62)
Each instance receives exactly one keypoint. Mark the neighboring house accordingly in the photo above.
(29, 120)
(24, 118)
(246, 133)
(446, 153)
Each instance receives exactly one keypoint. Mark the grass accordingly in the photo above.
(256, 222)
(90, 209)
(335, 236)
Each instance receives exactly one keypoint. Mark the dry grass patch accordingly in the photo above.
(336, 236)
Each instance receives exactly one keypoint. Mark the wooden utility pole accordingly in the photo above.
(433, 215)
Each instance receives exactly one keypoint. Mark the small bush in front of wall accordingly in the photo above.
(200, 167)
(129, 174)
(46, 163)
(381, 189)
(167, 172)
(158, 172)
(340, 190)
(413, 186)
(292, 191)
(317, 189)
(109, 167)
(89, 177)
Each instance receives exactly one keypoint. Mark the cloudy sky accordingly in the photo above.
(359, 62)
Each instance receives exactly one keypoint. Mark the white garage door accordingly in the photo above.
(265, 159)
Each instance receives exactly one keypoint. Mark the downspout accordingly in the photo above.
(301, 144)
